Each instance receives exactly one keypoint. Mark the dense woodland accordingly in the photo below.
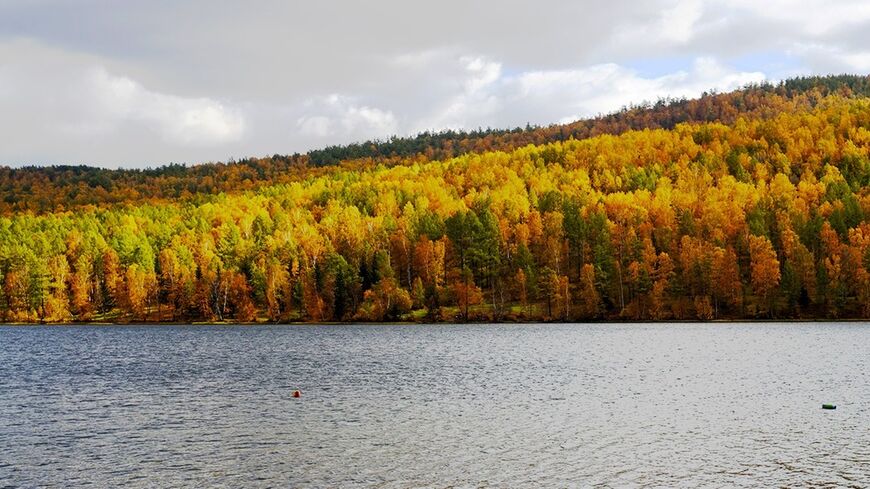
(760, 211)
(58, 188)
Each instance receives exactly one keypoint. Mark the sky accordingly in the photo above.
(135, 84)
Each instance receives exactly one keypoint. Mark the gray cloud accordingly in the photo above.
(145, 83)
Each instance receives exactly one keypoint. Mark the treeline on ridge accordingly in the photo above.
(56, 188)
(762, 217)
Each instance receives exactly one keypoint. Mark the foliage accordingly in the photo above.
(763, 213)
(56, 188)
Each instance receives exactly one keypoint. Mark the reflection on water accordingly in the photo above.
(436, 406)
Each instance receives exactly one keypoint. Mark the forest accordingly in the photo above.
(750, 204)
(58, 188)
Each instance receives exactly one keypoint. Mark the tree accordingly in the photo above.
(465, 292)
(590, 300)
(429, 261)
(239, 298)
(57, 302)
(112, 278)
(522, 289)
(727, 288)
(764, 270)
(81, 287)
(550, 286)
(278, 290)
(679, 221)
(800, 261)
(137, 286)
(418, 293)
(386, 300)
(341, 283)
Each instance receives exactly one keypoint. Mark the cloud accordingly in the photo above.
(678, 23)
(547, 96)
(675, 24)
(474, 99)
(153, 82)
(61, 107)
(339, 116)
(116, 100)
(833, 58)
(315, 125)
(811, 17)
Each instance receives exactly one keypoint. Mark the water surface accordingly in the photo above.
(436, 406)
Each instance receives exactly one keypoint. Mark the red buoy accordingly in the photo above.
(297, 393)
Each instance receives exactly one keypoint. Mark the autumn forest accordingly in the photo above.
(750, 204)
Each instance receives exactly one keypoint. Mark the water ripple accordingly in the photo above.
(733, 405)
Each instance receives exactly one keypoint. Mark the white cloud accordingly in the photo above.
(153, 82)
(371, 119)
(491, 98)
(678, 23)
(118, 99)
(859, 62)
(59, 107)
(474, 101)
(482, 94)
(606, 88)
(315, 125)
(810, 16)
(342, 117)
(481, 73)
(833, 58)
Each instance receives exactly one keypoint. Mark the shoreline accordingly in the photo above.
(435, 323)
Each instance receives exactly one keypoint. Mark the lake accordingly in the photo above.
(550, 405)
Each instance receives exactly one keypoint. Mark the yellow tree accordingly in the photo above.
(386, 300)
(240, 298)
(561, 296)
(464, 291)
(137, 290)
(859, 257)
(727, 288)
(764, 270)
(833, 270)
(799, 258)
(590, 300)
(658, 295)
(277, 290)
(112, 277)
(429, 261)
(522, 289)
(57, 302)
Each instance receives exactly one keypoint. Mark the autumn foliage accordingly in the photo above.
(760, 212)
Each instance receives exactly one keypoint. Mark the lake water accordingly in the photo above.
(436, 406)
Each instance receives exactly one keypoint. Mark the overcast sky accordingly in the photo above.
(145, 83)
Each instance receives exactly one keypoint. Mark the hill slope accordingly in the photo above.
(765, 216)
(46, 189)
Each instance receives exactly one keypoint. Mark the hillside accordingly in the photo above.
(757, 211)
(56, 188)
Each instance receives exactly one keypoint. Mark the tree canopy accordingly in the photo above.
(760, 213)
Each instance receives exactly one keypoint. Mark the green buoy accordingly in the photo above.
(829, 406)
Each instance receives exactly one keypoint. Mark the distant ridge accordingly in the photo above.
(53, 188)
(765, 216)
